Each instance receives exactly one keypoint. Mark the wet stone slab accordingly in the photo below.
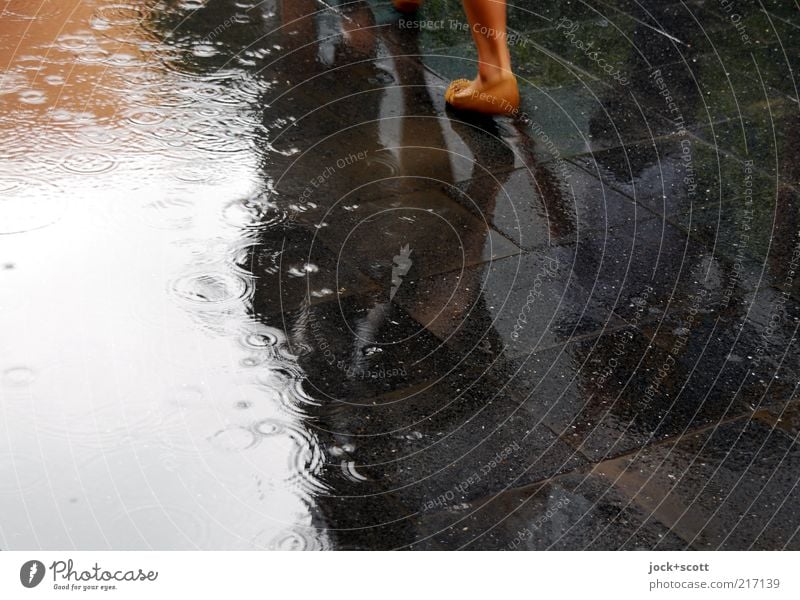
(608, 44)
(579, 511)
(742, 230)
(438, 445)
(293, 269)
(545, 203)
(508, 307)
(541, 70)
(378, 323)
(763, 135)
(785, 417)
(428, 231)
(355, 348)
(732, 487)
(675, 174)
(658, 263)
(321, 172)
(621, 391)
(579, 119)
(747, 345)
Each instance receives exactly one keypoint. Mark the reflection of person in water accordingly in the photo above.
(374, 488)
(371, 494)
(494, 90)
(374, 513)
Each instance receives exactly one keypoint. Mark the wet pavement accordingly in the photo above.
(259, 288)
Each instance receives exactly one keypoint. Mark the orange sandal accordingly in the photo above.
(455, 86)
(501, 98)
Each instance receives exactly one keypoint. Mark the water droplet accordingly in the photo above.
(233, 439)
(253, 361)
(210, 288)
(269, 427)
(301, 272)
(260, 340)
(253, 214)
(350, 472)
(32, 97)
(295, 539)
(88, 163)
(204, 51)
(76, 42)
(146, 117)
(118, 15)
(11, 83)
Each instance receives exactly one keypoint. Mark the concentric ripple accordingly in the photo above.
(89, 163)
(211, 289)
(297, 539)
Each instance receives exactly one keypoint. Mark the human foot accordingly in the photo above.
(407, 6)
(500, 97)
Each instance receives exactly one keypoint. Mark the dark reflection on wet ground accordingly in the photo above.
(262, 290)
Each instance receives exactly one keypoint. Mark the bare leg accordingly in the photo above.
(487, 21)
(494, 90)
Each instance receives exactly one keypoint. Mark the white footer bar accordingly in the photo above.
(371, 575)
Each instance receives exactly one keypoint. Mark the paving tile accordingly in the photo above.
(621, 391)
(747, 346)
(580, 119)
(446, 442)
(748, 231)
(609, 45)
(507, 308)
(292, 268)
(359, 347)
(674, 175)
(780, 264)
(546, 13)
(708, 92)
(368, 521)
(786, 418)
(762, 135)
(653, 11)
(429, 148)
(618, 265)
(427, 229)
(546, 203)
(572, 512)
(732, 487)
